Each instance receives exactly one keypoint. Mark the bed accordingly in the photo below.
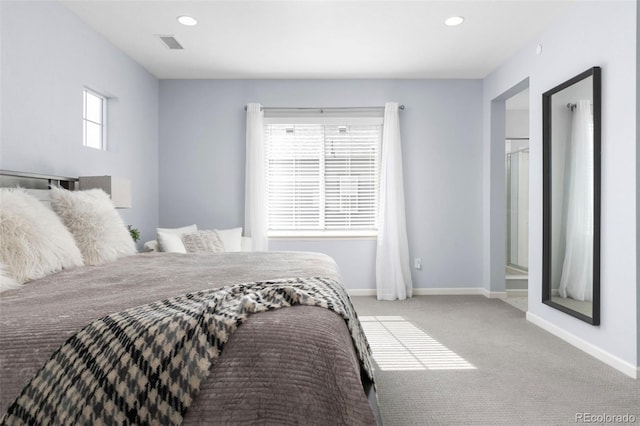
(301, 364)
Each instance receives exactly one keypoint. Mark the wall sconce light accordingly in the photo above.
(118, 188)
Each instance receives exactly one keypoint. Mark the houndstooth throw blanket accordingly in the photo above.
(145, 365)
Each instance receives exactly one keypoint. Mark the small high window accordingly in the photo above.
(94, 120)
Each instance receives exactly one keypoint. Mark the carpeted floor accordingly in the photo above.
(469, 360)
(520, 302)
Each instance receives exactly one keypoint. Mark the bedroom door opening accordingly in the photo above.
(517, 198)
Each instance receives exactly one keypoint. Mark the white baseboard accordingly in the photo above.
(436, 292)
(361, 291)
(596, 352)
(494, 294)
(446, 291)
(517, 292)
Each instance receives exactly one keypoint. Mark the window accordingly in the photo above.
(322, 177)
(94, 119)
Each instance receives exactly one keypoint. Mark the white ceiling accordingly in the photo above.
(320, 39)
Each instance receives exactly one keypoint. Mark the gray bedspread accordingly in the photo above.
(295, 365)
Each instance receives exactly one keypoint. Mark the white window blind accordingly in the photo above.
(322, 178)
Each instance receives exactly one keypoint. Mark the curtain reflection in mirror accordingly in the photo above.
(577, 269)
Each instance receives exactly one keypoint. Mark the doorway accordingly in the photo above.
(517, 199)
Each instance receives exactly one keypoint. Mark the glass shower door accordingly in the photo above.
(517, 177)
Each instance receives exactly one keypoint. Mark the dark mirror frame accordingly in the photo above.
(546, 188)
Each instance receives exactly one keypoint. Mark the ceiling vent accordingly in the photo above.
(171, 42)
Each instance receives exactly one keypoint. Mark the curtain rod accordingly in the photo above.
(262, 108)
(569, 105)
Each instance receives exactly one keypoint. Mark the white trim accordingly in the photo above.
(459, 291)
(517, 292)
(361, 291)
(329, 121)
(446, 291)
(494, 294)
(337, 238)
(596, 352)
(323, 234)
(516, 277)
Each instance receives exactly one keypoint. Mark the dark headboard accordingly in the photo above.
(10, 178)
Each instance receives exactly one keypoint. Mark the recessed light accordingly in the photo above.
(453, 21)
(187, 20)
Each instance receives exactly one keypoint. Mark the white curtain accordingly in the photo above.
(577, 270)
(393, 276)
(255, 197)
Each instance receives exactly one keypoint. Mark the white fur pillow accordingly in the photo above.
(33, 241)
(95, 224)
(7, 282)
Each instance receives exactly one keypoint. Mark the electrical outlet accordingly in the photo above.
(417, 263)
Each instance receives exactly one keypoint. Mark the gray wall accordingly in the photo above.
(48, 56)
(591, 33)
(202, 148)
(517, 123)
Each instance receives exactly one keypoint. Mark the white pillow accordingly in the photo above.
(33, 241)
(203, 242)
(231, 238)
(151, 246)
(95, 224)
(169, 239)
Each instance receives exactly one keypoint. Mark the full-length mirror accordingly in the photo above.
(571, 197)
